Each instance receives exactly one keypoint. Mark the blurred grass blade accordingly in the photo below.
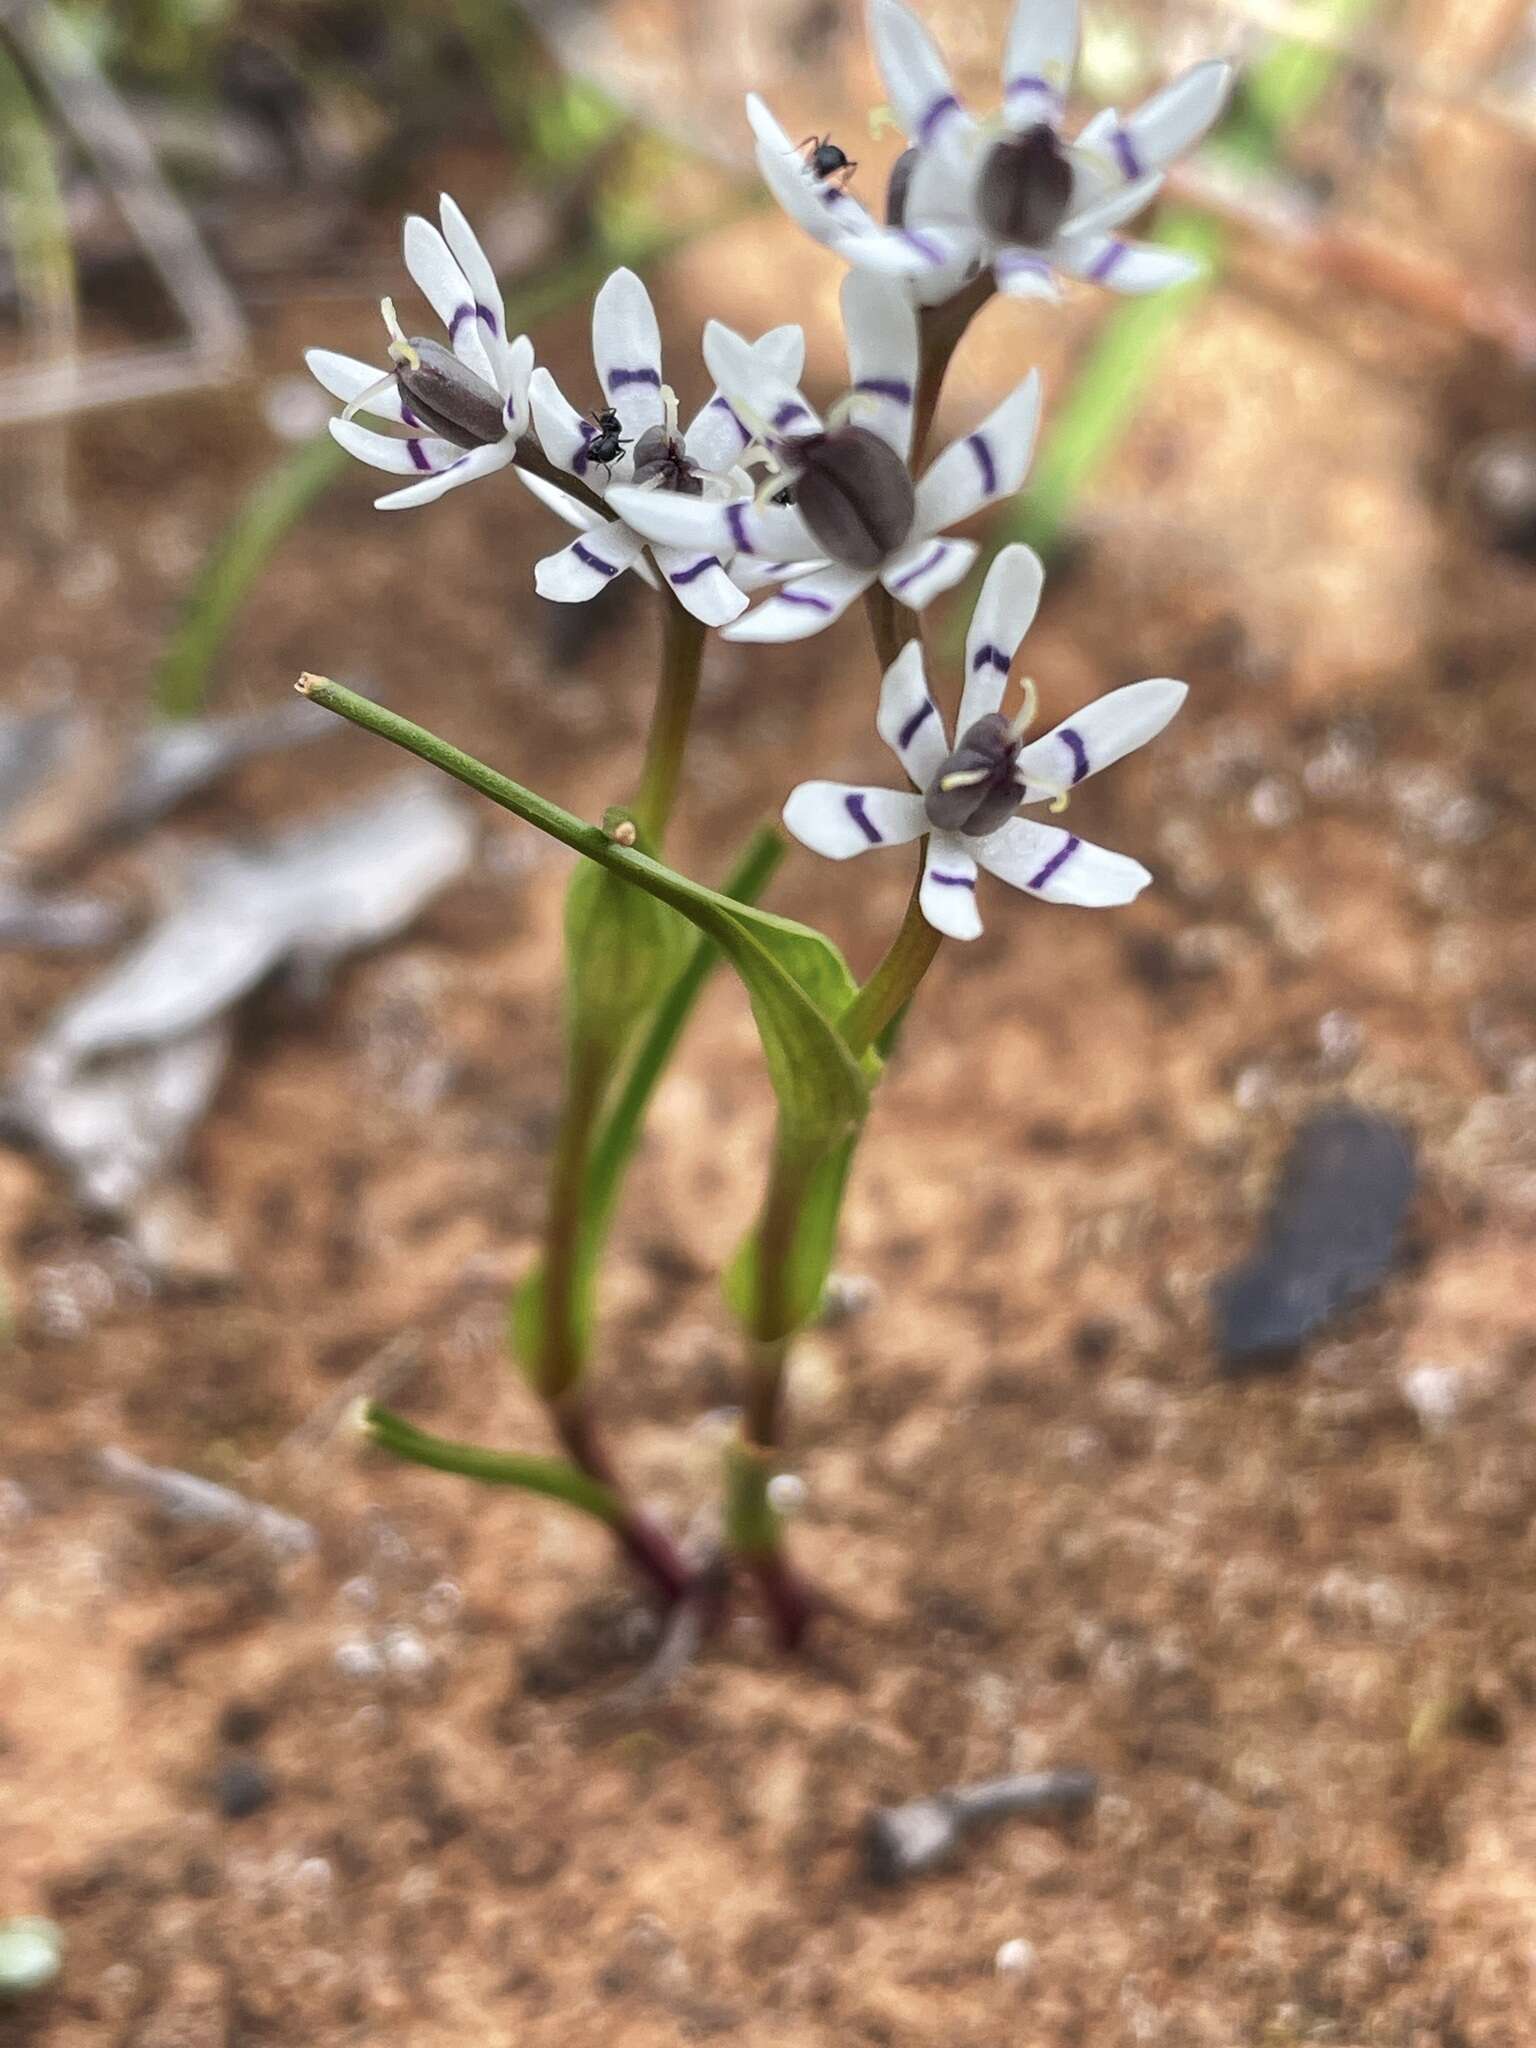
(276, 505)
(554, 1478)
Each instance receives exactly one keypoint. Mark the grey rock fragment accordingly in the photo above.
(924, 1835)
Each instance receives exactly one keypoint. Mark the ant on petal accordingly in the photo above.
(606, 446)
(827, 161)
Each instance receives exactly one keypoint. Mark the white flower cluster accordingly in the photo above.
(762, 494)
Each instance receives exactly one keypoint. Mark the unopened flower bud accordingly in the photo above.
(1025, 189)
(447, 398)
(975, 790)
(854, 493)
(661, 459)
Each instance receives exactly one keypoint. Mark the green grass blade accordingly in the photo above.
(554, 1478)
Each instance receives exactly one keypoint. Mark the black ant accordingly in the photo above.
(606, 446)
(827, 161)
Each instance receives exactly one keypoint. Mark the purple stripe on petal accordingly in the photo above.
(593, 561)
(1101, 266)
(791, 410)
(931, 560)
(1057, 861)
(854, 805)
(933, 120)
(1013, 262)
(618, 380)
(736, 520)
(460, 315)
(694, 570)
(1031, 81)
(720, 403)
(915, 723)
(886, 387)
(579, 463)
(410, 418)
(419, 455)
(990, 657)
(1125, 154)
(487, 317)
(981, 449)
(951, 881)
(1079, 753)
(928, 250)
(803, 597)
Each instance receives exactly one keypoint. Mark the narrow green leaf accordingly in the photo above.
(619, 1133)
(554, 1478)
(622, 950)
(808, 1259)
(823, 1092)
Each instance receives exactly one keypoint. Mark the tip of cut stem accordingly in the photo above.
(308, 684)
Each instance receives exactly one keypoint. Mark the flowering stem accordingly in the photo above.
(912, 952)
(682, 658)
(588, 1066)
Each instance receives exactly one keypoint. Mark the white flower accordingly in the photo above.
(645, 459)
(981, 783)
(1010, 192)
(856, 515)
(467, 410)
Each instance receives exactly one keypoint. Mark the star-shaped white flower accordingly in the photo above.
(488, 392)
(1010, 192)
(989, 774)
(647, 460)
(856, 515)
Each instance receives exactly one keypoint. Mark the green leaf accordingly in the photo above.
(791, 974)
(619, 1131)
(622, 951)
(554, 1478)
(808, 1260)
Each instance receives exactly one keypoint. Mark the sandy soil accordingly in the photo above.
(1288, 1621)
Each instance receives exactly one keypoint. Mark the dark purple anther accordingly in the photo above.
(896, 191)
(1025, 190)
(854, 493)
(988, 795)
(662, 461)
(448, 399)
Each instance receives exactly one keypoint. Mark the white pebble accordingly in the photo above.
(786, 1493)
(1015, 1958)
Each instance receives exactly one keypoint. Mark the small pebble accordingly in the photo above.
(241, 1787)
(786, 1493)
(1015, 1958)
(31, 1952)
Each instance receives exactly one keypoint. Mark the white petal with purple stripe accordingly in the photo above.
(830, 215)
(717, 437)
(564, 435)
(701, 584)
(948, 895)
(626, 347)
(1004, 613)
(1094, 738)
(1039, 58)
(1173, 120)
(442, 283)
(908, 720)
(588, 565)
(714, 526)
(802, 606)
(402, 455)
(344, 377)
(766, 400)
(465, 469)
(1129, 267)
(1057, 866)
(840, 819)
(880, 324)
(925, 568)
(916, 77)
(490, 313)
(988, 464)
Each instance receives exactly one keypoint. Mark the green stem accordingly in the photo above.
(888, 990)
(588, 1067)
(682, 659)
(552, 1477)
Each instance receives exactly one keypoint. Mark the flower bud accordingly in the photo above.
(1025, 189)
(854, 493)
(447, 398)
(982, 793)
(662, 460)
